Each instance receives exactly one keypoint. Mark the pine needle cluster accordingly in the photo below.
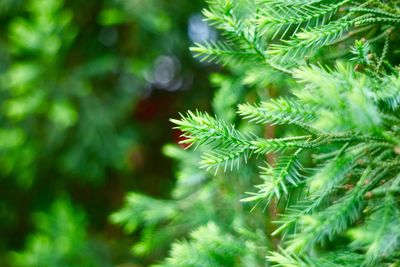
(331, 179)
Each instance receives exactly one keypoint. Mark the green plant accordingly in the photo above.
(350, 131)
(331, 176)
(60, 239)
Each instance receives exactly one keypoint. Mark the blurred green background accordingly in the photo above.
(86, 91)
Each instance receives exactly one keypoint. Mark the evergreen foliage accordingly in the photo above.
(283, 33)
(331, 145)
(60, 239)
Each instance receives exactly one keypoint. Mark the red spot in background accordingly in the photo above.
(177, 136)
(153, 108)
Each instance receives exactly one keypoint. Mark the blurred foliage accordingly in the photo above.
(83, 86)
(60, 240)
